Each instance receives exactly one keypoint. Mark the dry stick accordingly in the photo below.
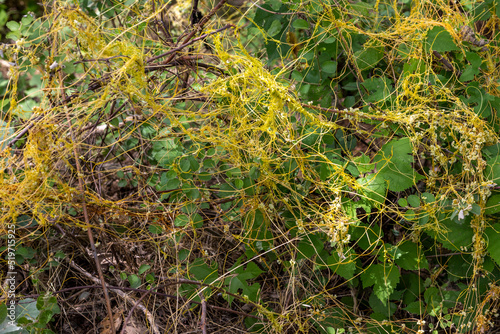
(227, 26)
(81, 188)
(122, 294)
(23, 131)
(203, 320)
(199, 26)
(124, 326)
(446, 63)
(113, 288)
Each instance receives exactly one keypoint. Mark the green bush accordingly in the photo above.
(317, 166)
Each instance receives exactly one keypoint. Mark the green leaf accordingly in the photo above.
(172, 184)
(275, 28)
(194, 164)
(185, 165)
(384, 279)
(227, 190)
(412, 258)
(369, 57)
(414, 286)
(300, 24)
(379, 89)
(204, 273)
(329, 67)
(181, 220)
(363, 163)
(155, 229)
(473, 69)
(238, 183)
(26, 252)
(452, 235)
(434, 300)
(345, 267)
(310, 245)
(44, 317)
(381, 308)
(414, 201)
(492, 205)
(134, 281)
(209, 163)
(415, 307)
(238, 283)
(492, 237)
(3, 312)
(492, 170)
(402, 202)
(143, 268)
(374, 188)
(368, 236)
(394, 165)
(440, 40)
(13, 25)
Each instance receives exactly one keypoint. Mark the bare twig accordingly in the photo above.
(122, 294)
(227, 26)
(203, 320)
(161, 294)
(124, 326)
(81, 189)
(23, 131)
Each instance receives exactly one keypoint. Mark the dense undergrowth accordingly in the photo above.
(277, 167)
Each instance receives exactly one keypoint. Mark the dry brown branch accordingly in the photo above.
(122, 294)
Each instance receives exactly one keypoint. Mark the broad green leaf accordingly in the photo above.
(369, 57)
(300, 24)
(402, 202)
(329, 67)
(345, 267)
(143, 268)
(367, 236)
(374, 188)
(155, 229)
(381, 308)
(185, 165)
(204, 273)
(238, 283)
(181, 220)
(472, 69)
(412, 257)
(492, 205)
(378, 89)
(310, 245)
(134, 281)
(414, 287)
(492, 235)
(383, 278)
(394, 165)
(440, 40)
(275, 28)
(492, 170)
(13, 25)
(415, 307)
(453, 235)
(363, 163)
(414, 201)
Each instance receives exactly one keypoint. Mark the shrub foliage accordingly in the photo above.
(277, 167)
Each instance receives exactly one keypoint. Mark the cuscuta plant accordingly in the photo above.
(290, 174)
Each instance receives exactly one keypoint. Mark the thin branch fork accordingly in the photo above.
(227, 26)
(122, 294)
